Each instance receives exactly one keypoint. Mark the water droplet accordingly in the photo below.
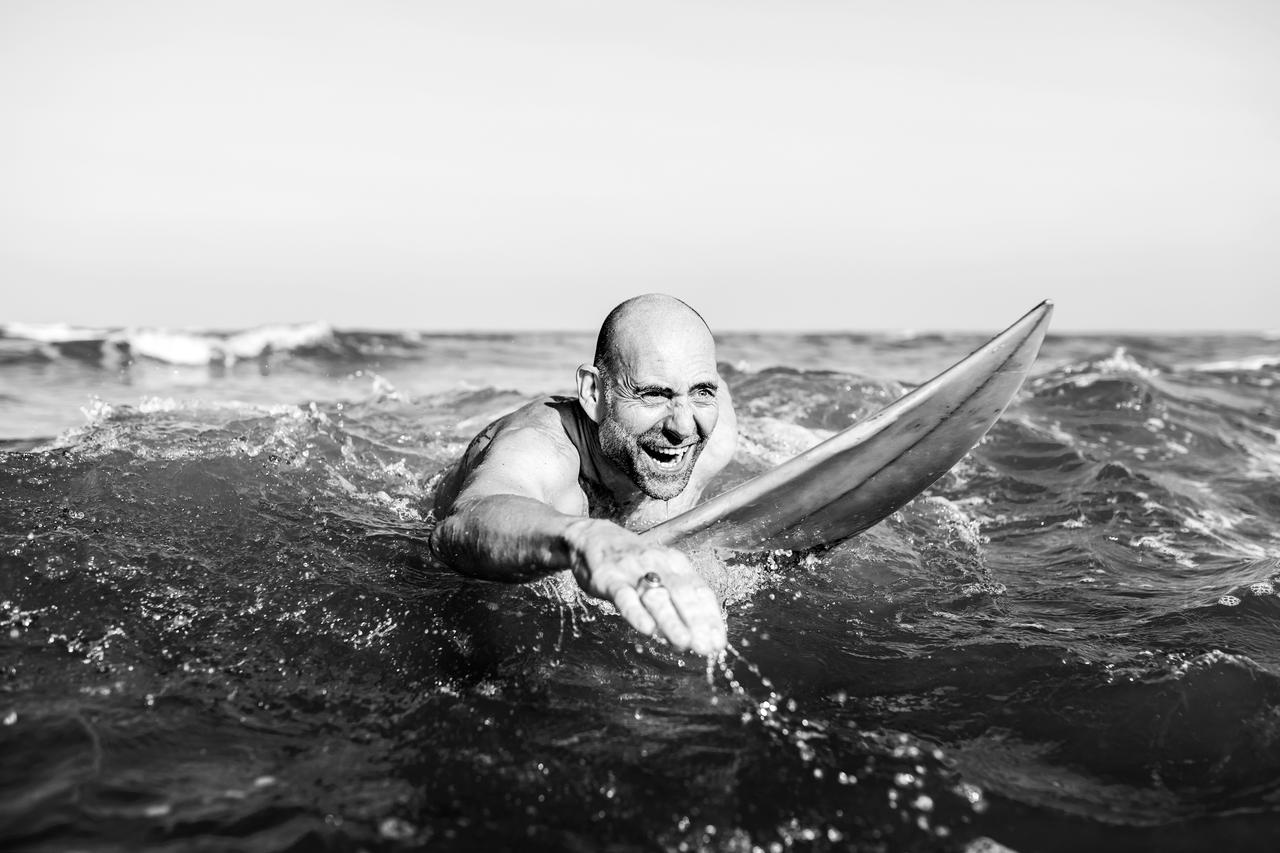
(396, 829)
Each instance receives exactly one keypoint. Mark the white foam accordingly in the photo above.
(151, 405)
(173, 347)
(1160, 544)
(177, 346)
(199, 348)
(1121, 362)
(52, 333)
(253, 343)
(1248, 363)
(774, 441)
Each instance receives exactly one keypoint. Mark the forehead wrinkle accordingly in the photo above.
(667, 360)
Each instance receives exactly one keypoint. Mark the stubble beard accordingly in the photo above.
(626, 453)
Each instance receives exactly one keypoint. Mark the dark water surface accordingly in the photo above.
(218, 631)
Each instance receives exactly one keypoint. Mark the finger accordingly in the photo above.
(699, 609)
(657, 600)
(627, 600)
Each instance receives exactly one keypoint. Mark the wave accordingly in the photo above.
(1119, 363)
(52, 333)
(1248, 364)
(193, 349)
(196, 348)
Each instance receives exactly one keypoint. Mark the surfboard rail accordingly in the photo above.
(857, 477)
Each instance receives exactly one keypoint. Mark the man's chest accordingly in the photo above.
(639, 513)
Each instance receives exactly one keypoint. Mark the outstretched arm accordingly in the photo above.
(516, 519)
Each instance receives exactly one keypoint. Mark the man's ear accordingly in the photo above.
(590, 391)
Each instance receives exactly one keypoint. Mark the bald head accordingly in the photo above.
(653, 391)
(642, 323)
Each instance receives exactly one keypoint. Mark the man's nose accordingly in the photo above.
(680, 424)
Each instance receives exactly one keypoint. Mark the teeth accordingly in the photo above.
(668, 458)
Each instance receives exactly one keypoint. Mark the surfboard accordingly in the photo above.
(868, 471)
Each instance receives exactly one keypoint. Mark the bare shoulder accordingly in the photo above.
(523, 453)
(540, 415)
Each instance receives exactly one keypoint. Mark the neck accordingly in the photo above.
(611, 493)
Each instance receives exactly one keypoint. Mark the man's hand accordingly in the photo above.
(609, 562)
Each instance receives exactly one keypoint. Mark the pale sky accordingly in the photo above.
(780, 164)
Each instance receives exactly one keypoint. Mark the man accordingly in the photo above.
(563, 483)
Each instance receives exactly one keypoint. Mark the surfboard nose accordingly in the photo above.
(1037, 319)
(1023, 338)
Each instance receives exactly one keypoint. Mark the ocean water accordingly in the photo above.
(219, 630)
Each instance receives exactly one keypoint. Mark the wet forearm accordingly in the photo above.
(504, 538)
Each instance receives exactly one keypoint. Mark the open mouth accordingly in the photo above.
(668, 458)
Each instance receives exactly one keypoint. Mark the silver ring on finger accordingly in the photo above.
(648, 581)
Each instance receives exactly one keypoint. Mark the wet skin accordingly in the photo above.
(658, 415)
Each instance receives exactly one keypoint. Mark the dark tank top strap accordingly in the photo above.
(577, 426)
(581, 430)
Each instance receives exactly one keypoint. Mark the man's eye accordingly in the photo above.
(704, 394)
(653, 396)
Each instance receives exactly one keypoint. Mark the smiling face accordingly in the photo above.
(658, 404)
